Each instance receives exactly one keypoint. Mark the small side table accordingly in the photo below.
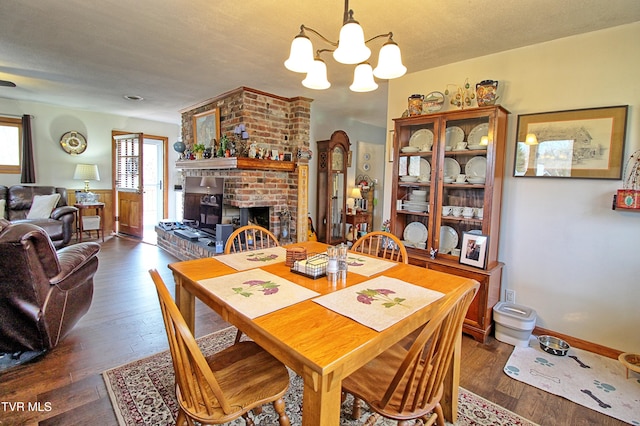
(359, 218)
(83, 208)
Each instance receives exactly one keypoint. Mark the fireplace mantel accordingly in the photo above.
(242, 163)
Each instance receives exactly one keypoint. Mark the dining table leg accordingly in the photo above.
(449, 402)
(186, 303)
(321, 399)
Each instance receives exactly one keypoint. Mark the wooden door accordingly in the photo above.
(127, 161)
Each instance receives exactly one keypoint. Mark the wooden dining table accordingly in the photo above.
(320, 345)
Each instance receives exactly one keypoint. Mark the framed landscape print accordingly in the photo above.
(206, 128)
(583, 143)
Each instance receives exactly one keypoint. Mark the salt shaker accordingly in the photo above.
(332, 265)
(342, 263)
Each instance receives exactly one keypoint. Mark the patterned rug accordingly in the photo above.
(142, 393)
(583, 377)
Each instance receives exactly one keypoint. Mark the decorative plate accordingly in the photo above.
(410, 149)
(73, 143)
(451, 167)
(453, 135)
(476, 167)
(477, 133)
(366, 167)
(416, 232)
(433, 102)
(448, 239)
(425, 170)
(422, 139)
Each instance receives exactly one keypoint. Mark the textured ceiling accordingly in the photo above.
(87, 54)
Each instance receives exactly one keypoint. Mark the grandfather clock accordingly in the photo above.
(332, 188)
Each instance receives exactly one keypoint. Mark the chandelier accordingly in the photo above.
(349, 49)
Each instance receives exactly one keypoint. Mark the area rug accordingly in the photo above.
(143, 393)
(583, 377)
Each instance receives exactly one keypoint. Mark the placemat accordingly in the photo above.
(380, 302)
(367, 266)
(256, 292)
(253, 259)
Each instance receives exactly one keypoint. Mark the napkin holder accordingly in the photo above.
(314, 266)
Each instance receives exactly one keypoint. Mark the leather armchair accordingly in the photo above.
(43, 293)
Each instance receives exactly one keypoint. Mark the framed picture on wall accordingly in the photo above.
(474, 250)
(583, 143)
(206, 127)
(288, 156)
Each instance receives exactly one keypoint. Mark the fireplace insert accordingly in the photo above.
(203, 201)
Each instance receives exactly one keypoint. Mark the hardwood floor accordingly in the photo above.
(125, 324)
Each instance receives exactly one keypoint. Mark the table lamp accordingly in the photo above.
(86, 172)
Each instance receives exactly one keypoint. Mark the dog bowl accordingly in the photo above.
(630, 361)
(553, 345)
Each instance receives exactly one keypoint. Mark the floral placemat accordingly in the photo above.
(253, 259)
(366, 265)
(380, 302)
(256, 292)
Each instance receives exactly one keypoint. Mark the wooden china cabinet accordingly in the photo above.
(332, 188)
(427, 210)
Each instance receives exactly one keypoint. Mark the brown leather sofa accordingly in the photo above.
(59, 226)
(43, 293)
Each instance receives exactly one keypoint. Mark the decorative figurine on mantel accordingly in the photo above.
(240, 136)
(253, 150)
(223, 147)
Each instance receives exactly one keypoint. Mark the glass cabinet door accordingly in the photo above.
(338, 196)
(464, 178)
(415, 195)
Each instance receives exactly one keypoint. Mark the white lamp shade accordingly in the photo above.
(317, 76)
(363, 79)
(355, 193)
(86, 172)
(301, 54)
(484, 140)
(351, 48)
(531, 139)
(390, 62)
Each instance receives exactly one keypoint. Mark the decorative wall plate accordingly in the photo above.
(73, 143)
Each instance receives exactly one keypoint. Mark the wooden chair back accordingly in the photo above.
(199, 392)
(415, 375)
(381, 244)
(250, 237)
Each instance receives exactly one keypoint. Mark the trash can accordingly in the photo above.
(514, 323)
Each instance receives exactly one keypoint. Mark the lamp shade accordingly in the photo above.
(390, 62)
(300, 55)
(363, 79)
(531, 139)
(355, 193)
(351, 48)
(86, 172)
(209, 182)
(317, 76)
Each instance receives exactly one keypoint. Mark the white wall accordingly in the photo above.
(567, 254)
(55, 167)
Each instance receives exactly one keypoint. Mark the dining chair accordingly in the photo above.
(222, 386)
(381, 244)
(406, 382)
(250, 237)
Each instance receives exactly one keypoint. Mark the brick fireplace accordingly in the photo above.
(274, 122)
